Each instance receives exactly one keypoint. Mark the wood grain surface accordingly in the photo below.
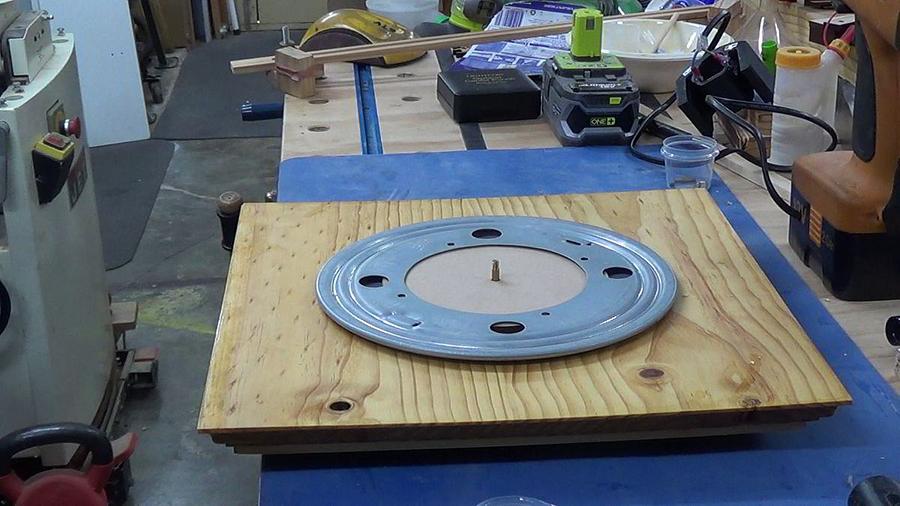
(728, 353)
(863, 321)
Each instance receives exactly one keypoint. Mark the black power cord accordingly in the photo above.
(724, 107)
(718, 105)
(648, 122)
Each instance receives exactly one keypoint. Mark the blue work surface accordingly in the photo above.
(815, 465)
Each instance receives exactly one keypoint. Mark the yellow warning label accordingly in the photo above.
(815, 227)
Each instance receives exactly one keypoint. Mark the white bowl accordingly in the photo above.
(631, 40)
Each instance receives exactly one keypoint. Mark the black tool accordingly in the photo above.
(229, 211)
(488, 95)
(892, 330)
(733, 71)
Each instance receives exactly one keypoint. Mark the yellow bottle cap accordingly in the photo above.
(798, 57)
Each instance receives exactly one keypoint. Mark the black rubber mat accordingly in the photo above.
(207, 98)
(127, 178)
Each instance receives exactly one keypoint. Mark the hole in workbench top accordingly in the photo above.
(340, 406)
(411, 99)
(318, 101)
(318, 128)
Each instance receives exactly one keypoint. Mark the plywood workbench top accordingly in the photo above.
(729, 353)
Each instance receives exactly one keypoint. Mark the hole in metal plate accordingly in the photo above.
(487, 233)
(507, 327)
(617, 272)
(374, 281)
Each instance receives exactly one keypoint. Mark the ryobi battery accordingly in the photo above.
(588, 97)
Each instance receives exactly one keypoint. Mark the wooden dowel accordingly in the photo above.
(264, 64)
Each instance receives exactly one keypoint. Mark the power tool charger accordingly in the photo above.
(733, 71)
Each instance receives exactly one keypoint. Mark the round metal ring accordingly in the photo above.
(628, 288)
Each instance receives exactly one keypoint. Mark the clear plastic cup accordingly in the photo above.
(513, 500)
(689, 160)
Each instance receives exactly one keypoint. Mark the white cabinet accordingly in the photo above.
(111, 87)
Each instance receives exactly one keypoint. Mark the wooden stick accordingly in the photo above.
(265, 64)
(666, 30)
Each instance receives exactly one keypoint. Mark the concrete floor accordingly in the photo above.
(178, 277)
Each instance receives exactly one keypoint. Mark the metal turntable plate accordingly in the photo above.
(602, 286)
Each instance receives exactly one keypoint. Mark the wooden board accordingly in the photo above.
(729, 353)
(218, 15)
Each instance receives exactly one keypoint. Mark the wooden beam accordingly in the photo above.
(253, 65)
(265, 64)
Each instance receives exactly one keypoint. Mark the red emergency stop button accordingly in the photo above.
(72, 127)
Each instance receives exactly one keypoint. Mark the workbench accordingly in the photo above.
(394, 111)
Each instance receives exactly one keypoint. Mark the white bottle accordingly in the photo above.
(806, 80)
(408, 13)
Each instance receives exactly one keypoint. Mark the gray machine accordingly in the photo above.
(57, 349)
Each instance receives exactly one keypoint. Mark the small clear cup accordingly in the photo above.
(513, 500)
(689, 160)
